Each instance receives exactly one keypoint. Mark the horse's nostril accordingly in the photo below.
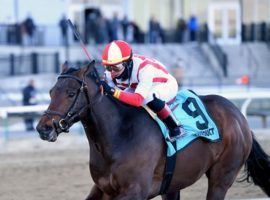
(47, 128)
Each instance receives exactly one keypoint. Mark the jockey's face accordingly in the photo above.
(116, 70)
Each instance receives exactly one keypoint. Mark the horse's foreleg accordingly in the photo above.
(97, 194)
(171, 196)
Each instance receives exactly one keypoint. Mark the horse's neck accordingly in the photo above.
(102, 124)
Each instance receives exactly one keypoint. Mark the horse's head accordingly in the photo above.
(71, 97)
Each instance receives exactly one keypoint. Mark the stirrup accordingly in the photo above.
(180, 134)
(173, 139)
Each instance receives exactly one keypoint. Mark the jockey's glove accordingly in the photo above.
(107, 89)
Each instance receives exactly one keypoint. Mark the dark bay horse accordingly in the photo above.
(127, 149)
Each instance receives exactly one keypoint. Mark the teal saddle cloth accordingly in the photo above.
(193, 116)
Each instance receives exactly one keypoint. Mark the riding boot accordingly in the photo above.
(172, 123)
(166, 115)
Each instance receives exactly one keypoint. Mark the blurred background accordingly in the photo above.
(211, 46)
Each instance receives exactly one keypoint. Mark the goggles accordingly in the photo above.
(115, 68)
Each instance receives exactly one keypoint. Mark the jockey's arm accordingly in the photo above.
(141, 92)
(133, 99)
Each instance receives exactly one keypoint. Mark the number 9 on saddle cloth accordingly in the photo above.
(195, 121)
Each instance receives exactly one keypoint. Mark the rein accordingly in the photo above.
(63, 124)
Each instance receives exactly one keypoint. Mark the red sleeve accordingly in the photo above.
(133, 99)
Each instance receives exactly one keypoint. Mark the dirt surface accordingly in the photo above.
(36, 170)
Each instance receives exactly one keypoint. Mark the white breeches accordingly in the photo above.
(163, 91)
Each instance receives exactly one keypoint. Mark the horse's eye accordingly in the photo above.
(71, 94)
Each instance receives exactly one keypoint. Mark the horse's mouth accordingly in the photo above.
(50, 137)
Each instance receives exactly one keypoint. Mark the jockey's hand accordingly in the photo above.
(108, 89)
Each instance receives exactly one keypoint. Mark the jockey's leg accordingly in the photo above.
(166, 115)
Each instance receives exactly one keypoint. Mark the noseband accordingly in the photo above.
(63, 124)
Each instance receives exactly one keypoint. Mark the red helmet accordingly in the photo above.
(116, 52)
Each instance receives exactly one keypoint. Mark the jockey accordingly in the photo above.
(138, 80)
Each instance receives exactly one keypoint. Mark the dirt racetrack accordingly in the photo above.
(36, 170)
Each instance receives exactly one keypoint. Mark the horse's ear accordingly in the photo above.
(64, 67)
(86, 69)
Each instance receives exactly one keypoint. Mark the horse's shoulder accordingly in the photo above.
(140, 122)
(135, 112)
(135, 117)
(141, 117)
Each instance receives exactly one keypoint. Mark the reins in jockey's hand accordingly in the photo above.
(107, 89)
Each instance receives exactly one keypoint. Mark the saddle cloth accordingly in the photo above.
(193, 116)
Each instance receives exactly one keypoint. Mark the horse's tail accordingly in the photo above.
(257, 167)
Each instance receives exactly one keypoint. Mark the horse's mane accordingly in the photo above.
(123, 107)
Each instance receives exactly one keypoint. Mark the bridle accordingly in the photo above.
(67, 119)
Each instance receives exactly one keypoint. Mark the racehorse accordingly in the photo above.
(127, 149)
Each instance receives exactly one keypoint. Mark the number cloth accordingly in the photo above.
(196, 121)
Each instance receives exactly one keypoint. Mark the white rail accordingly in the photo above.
(4, 111)
(247, 96)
